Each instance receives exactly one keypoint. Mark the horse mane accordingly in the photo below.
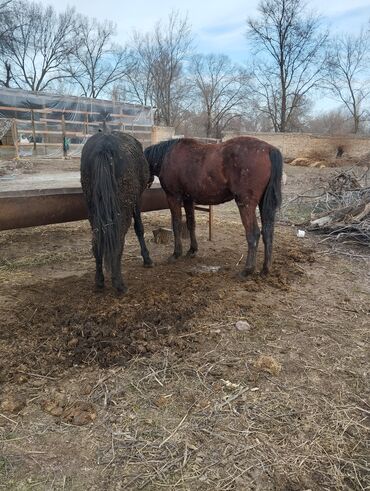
(156, 153)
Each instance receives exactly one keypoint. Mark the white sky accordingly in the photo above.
(218, 26)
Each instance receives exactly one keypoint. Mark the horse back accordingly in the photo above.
(130, 167)
(193, 169)
(215, 173)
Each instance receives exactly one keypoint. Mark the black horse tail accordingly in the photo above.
(271, 199)
(106, 219)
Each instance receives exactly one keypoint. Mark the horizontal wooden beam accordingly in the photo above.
(49, 110)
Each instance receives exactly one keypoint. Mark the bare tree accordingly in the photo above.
(96, 62)
(331, 122)
(157, 66)
(5, 13)
(39, 43)
(348, 74)
(5, 34)
(139, 84)
(7, 71)
(220, 86)
(290, 55)
(171, 45)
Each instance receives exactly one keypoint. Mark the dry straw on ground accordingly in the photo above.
(268, 364)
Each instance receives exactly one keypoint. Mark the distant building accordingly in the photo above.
(50, 122)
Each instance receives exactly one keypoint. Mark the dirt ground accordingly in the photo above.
(162, 389)
(14, 167)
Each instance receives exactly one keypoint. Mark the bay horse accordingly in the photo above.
(245, 169)
(114, 174)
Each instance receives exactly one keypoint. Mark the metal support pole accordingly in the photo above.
(210, 222)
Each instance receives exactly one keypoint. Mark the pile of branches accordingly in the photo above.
(344, 209)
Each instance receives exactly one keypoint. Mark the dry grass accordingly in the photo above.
(282, 406)
(320, 154)
(33, 261)
(167, 422)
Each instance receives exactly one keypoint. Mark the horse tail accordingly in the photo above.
(105, 213)
(271, 199)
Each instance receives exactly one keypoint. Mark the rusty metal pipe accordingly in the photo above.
(19, 209)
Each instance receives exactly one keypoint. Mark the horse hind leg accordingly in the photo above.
(175, 207)
(252, 232)
(139, 230)
(99, 275)
(267, 235)
(190, 222)
(115, 261)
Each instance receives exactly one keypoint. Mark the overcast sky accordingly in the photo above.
(218, 26)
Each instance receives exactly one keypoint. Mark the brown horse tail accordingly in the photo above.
(271, 199)
(105, 212)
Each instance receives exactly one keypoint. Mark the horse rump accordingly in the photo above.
(106, 216)
(98, 179)
(114, 174)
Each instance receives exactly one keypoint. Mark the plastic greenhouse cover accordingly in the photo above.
(12, 101)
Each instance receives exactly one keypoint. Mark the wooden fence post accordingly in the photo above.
(33, 130)
(64, 137)
(86, 123)
(15, 138)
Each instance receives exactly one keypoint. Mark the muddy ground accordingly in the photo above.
(159, 389)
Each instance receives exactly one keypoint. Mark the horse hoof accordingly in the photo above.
(172, 258)
(120, 288)
(264, 272)
(120, 291)
(99, 287)
(191, 253)
(243, 275)
(149, 264)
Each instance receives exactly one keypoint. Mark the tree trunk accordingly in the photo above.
(209, 125)
(356, 123)
(8, 75)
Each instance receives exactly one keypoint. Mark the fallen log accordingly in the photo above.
(350, 222)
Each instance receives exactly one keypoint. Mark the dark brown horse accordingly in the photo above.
(245, 169)
(114, 174)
